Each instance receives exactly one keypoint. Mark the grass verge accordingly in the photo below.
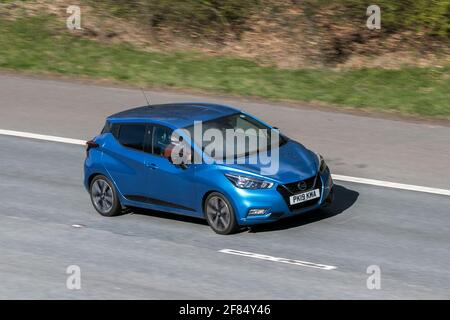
(42, 44)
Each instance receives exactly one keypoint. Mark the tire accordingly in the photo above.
(219, 214)
(329, 200)
(104, 196)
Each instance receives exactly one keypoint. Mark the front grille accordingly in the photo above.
(290, 189)
(293, 187)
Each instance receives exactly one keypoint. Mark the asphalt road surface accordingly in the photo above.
(47, 222)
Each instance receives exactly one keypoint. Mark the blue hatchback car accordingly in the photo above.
(130, 164)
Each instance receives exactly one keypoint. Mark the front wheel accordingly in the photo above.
(329, 200)
(104, 197)
(220, 214)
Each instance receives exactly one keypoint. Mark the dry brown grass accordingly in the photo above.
(288, 39)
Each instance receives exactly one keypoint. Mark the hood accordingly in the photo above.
(295, 163)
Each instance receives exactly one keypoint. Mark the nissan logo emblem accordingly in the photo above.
(302, 185)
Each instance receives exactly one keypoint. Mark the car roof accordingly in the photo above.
(178, 115)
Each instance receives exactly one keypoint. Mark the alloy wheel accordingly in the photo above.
(102, 195)
(219, 213)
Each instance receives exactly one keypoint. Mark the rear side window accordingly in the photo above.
(132, 136)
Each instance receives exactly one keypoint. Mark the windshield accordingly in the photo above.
(234, 136)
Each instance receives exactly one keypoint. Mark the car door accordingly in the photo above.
(125, 159)
(170, 185)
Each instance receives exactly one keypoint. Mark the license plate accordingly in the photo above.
(305, 196)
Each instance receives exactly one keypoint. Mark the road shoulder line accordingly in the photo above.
(337, 177)
(388, 184)
(41, 137)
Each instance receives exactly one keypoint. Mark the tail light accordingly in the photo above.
(91, 144)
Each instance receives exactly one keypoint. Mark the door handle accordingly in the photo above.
(151, 165)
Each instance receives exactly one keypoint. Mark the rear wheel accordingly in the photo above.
(220, 214)
(104, 197)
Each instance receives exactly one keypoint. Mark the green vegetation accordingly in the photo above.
(206, 17)
(218, 16)
(427, 16)
(41, 45)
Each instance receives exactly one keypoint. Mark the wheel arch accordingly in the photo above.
(91, 177)
(205, 196)
(228, 197)
(106, 174)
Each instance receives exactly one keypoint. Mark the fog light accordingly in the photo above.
(258, 212)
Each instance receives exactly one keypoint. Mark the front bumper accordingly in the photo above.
(276, 200)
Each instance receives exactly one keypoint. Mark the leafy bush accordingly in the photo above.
(206, 17)
(428, 16)
(216, 17)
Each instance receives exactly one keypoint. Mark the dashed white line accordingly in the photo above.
(277, 259)
(379, 183)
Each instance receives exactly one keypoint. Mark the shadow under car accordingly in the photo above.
(343, 199)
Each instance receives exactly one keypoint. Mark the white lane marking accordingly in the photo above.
(277, 259)
(41, 137)
(337, 177)
(388, 184)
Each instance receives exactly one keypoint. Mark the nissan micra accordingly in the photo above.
(203, 160)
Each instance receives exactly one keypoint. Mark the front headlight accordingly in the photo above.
(322, 164)
(245, 182)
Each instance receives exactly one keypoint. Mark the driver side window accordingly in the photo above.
(161, 138)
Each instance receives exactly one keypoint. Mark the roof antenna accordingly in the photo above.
(145, 96)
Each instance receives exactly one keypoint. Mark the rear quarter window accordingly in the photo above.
(112, 128)
(106, 128)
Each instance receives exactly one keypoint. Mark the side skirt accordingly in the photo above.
(157, 202)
